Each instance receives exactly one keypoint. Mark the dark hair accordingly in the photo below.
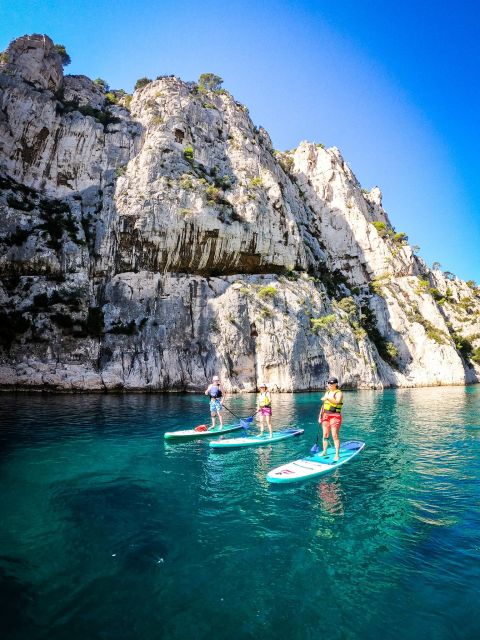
(332, 381)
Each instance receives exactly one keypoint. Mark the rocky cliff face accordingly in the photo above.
(147, 248)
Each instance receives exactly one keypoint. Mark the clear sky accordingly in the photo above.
(394, 85)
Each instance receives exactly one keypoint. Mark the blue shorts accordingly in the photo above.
(215, 405)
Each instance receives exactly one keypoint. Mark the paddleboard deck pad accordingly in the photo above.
(315, 465)
(187, 434)
(255, 441)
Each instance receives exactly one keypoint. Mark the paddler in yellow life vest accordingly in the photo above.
(331, 415)
(264, 408)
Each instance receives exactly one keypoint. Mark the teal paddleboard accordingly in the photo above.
(315, 465)
(255, 441)
(188, 434)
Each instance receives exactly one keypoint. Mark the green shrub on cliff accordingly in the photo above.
(213, 194)
(102, 84)
(400, 238)
(391, 349)
(255, 182)
(142, 82)
(188, 154)
(209, 82)
(348, 305)
(269, 291)
(381, 228)
(323, 323)
(111, 97)
(463, 345)
(66, 60)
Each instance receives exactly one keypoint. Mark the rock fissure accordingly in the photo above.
(147, 249)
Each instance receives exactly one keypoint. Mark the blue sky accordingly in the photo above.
(393, 84)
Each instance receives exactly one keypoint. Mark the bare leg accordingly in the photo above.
(269, 425)
(326, 433)
(261, 425)
(220, 419)
(336, 441)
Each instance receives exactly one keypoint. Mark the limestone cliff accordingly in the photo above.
(147, 247)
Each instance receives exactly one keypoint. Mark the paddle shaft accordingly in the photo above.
(315, 446)
(236, 416)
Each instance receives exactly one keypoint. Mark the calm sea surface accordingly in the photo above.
(107, 532)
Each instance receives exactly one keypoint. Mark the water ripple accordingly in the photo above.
(104, 523)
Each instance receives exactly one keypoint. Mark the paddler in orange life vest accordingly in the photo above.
(331, 416)
(215, 393)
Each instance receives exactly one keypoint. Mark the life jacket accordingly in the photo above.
(264, 400)
(215, 392)
(329, 403)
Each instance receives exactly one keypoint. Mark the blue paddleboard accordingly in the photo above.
(315, 465)
(255, 441)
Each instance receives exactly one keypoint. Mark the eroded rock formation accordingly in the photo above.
(145, 248)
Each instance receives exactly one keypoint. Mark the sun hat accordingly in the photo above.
(215, 378)
(263, 385)
(332, 380)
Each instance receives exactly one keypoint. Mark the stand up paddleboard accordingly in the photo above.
(315, 465)
(255, 441)
(188, 434)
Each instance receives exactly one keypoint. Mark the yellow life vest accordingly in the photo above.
(329, 403)
(264, 400)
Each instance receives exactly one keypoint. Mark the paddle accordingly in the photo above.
(316, 448)
(245, 422)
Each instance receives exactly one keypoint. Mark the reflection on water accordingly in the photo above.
(108, 531)
(330, 497)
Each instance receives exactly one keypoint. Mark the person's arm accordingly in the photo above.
(321, 408)
(208, 389)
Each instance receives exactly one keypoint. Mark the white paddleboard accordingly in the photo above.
(188, 434)
(316, 465)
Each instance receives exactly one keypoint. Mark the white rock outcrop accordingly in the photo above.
(147, 248)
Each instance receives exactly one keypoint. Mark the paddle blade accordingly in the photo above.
(315, 448)
(246, 423)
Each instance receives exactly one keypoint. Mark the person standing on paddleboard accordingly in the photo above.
(215, 393)
(331, 416)
(264, 407)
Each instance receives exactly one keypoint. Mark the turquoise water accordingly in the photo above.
(109, 532)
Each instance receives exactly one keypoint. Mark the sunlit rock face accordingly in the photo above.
(148, 248)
